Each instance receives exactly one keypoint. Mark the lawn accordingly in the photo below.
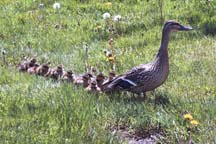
(35, 109)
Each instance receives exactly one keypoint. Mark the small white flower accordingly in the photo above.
(56, 5)
(106, 15)
(117, 18)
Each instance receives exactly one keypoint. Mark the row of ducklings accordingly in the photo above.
(91, 81)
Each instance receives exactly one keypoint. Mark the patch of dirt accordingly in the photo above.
(139, 136)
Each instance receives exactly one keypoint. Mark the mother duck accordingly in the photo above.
(147, 77)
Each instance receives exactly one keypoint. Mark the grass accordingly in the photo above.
(37, 110)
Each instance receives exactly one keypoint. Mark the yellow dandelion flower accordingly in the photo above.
(108, 4)
(98, 27)
(188, 116)
(194, 122)
(110, 59)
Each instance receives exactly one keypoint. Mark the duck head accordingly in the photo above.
(172, 25)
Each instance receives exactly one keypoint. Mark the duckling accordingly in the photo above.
(42, 69)
(86, 80)
(83, 80)
(93, 87)
(23, 67)
(32, 70)
(111, 76)
(100, 79)
(67, 76)
(56, 72)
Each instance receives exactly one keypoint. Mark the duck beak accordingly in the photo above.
(185, 28)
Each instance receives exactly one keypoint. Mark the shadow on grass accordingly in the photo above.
(125, 97)
(157, 98)
(161, 98)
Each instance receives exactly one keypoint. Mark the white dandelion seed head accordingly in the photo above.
(106, 15)
(41, 5)
(3, 52)
(117, 18)
(56, 5)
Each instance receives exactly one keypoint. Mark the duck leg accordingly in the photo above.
(153, 92)
(141, 96)
(144, 96)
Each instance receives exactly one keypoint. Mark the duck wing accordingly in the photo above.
(130, 79)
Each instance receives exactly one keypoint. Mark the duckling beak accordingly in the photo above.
(185, 28)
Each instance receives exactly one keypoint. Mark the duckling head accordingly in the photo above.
(33, 60)
(93, 84)
(112, 75)
(45, 68)
(59, 69)
(69, 72)
(100, 77)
